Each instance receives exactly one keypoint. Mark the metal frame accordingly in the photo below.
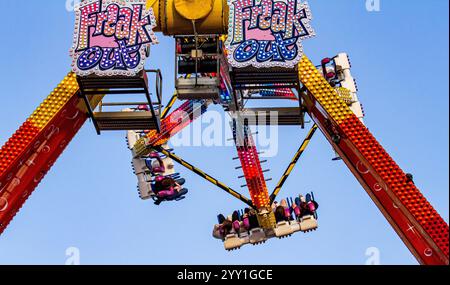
(169, 106)
(287, 116)
(101, 86)
(250, 78)
(197, 78)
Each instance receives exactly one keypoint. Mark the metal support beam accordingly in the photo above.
(169, 105)
(205, 176)
(251, 164)
(294, 161)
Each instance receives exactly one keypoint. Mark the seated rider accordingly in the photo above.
(305, 206)
(287, 209)
(143, 108)
(312, 205)
(253, 219)
(274, 206)
(158, 169)
(222, 229)
(167, 188)
(296, 208)
(280, 215)
(246, 219)
(236, 222)
(217, 231)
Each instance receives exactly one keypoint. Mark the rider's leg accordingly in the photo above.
(167, 193)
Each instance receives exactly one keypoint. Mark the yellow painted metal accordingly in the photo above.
(175, 18)
(266, 218)
(294, 161)
(194, 9)
(169, 105)
(59, 97)
(322, 91)
(55, 101)
(345, 94)
(140, 148)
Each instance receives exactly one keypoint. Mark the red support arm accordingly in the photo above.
(414, 219)
(30, 153)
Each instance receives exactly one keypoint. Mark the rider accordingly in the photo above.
(312, 205)
(246, 219)
(296, 208)
(287, 210)
(222, 229)
(280, 215)
(306, 206)
(253, 219)
(167, 188)
(219, 231)
(236, 222)
(156, 169)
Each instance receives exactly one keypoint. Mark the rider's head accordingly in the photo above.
(235, 216)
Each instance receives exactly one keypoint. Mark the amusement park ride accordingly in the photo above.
(227, 53)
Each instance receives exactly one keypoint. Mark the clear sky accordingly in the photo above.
(88, 200)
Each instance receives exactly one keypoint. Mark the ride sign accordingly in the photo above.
(112, 37)
(267, 33)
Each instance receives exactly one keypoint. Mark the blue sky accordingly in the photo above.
(88, 200)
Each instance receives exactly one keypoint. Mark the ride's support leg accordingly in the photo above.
(417, 223)
(34, 148)
(294, 161)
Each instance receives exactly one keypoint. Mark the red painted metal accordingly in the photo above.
(251, 166)
(179, 119)
(37, 153)
(417, 223)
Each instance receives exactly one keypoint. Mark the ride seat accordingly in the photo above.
(257, 236)
(232, 242)
(308, 223)
(283, 229)
(145, 189)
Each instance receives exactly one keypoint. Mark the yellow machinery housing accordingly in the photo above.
(176, 17)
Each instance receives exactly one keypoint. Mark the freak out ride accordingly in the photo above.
(226, 53)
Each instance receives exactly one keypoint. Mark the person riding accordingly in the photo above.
(280, 215)
(167, 188)
(170, 188)
(156, 169)
(307, 206)
(287, 210)
(253, 219)
(274, 206)
(312, 205)
(223, 228)
(246, 219)
(297, 208)
(236, 222)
